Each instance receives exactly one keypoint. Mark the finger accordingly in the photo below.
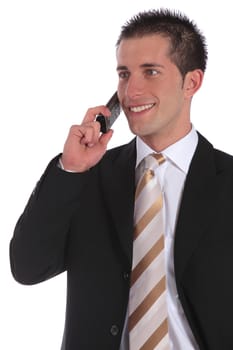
(89, 136)
(105, 138)
(91, 114)
(91, 132)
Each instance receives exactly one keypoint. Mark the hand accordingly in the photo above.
(85, 146)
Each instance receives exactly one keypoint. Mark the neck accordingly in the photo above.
(160, 142)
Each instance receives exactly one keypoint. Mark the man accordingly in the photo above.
(80, 217)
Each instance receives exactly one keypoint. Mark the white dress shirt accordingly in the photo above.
(172, 175)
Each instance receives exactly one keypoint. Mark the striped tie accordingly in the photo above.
(148, 327)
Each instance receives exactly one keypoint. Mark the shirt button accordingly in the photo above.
(114, 330)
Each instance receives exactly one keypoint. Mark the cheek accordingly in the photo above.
(121, 92)
(172, 94)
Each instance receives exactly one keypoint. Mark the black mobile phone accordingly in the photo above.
(115, 108)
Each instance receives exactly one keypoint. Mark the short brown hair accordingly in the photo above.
(188, 45)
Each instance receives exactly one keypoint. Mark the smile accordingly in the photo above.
(141, 108)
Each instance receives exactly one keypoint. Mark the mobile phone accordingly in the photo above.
(115, 108)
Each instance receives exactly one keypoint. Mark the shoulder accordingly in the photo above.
(222, 160)
(126, 150)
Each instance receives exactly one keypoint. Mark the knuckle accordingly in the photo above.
(74, 127)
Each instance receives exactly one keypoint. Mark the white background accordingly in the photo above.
(57, 58)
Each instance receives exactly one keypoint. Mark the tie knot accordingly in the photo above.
(153, 160)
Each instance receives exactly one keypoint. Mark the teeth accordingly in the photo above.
(141, 108)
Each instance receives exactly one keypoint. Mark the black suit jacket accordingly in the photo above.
(83, 223)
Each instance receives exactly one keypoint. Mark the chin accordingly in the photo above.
(140, 126)
(138, 131)
(134, 128)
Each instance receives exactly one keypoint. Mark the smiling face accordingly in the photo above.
(154, 96)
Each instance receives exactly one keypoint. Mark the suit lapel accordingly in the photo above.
(197, 206)
(118, 184)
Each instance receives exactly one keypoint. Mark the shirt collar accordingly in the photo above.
(180, 153)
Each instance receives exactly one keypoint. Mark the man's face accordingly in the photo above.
(150, 89)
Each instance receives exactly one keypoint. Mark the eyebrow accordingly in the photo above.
(144, 65)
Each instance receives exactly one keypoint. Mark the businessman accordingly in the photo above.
(82, 216)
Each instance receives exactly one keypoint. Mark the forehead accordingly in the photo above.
(149, 47)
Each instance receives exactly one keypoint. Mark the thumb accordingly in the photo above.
(105, 138)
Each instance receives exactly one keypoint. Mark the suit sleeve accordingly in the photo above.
(38, 246)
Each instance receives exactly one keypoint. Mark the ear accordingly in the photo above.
(192, 82)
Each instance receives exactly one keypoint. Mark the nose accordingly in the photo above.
(134, 87)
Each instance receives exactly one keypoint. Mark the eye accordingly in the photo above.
(151, 72)
(123, 74)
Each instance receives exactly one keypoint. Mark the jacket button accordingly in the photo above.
(114, 330)
(126, 275)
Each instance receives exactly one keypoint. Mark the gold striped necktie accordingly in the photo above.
(148, 326)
